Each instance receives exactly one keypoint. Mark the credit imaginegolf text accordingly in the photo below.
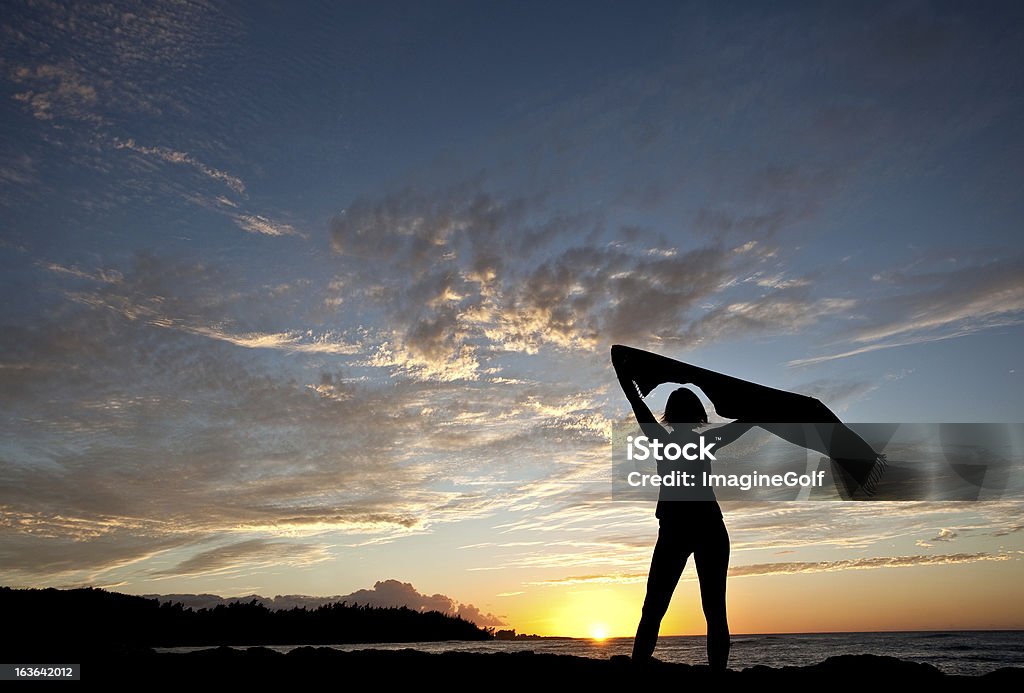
(744, 482)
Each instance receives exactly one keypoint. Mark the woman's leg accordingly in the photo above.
(667, 563)
(712, 559)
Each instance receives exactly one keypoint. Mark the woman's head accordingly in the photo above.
(684, 407)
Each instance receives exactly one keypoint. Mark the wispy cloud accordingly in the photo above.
(56, 90)
(144, 297)
(246, 556)
(100, 275)
(871, 563)
(617, 579)
(794, 567)
(937, 306)
(297, 342)
(88, 72)
(254, 223)
(177, 157)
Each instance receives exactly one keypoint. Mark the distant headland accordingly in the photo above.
(75, 620)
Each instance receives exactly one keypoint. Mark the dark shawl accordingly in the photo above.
(796, 418)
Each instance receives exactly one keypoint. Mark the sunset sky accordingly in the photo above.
(297, 299)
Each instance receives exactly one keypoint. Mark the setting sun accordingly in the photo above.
(575, 609)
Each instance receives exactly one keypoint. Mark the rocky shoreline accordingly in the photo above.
(461, 670)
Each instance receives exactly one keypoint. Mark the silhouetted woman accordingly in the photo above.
(690, 521)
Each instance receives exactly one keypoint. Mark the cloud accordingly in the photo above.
(612, 540)
(793, 567)
(97, 76)
(620, 579)
(176, 157)
(57, 89)
(475, 615)
(152, 420)
(396, 593)
(76, 550)
(439, 266)
(800, 525)
(870, 563)
(88, 64)
(100, 275)
(432, 367)
(254, 223)
(290, 341)
(384, 593)
(246, 556)
(788, 309)
(929, 307)
(146, 295)
(959, 298)
(18, 170)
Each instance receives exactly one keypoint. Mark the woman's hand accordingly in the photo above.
(630, 368)
(632, 390)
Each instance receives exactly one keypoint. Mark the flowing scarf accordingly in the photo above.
(796, 418)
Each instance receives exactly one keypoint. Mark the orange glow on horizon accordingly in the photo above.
(593, 613)
(896, 599)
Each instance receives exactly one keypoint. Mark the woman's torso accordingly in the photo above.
(689, 499)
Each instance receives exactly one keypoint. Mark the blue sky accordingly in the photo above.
(302, 298)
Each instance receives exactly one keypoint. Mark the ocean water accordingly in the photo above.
(955, 652)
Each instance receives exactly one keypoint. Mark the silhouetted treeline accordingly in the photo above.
(95, 618)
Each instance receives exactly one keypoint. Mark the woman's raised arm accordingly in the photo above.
(729, 432)
(644, 416)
